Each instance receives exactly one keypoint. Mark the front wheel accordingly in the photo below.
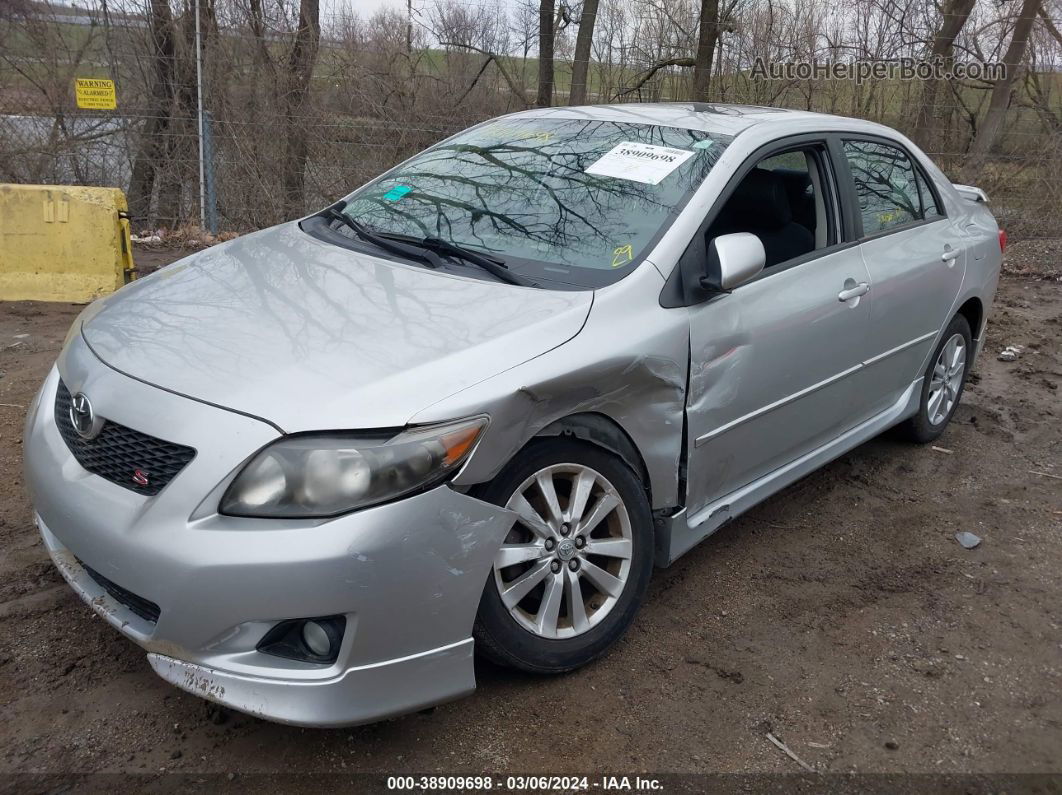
(943, 383)
(574, 568)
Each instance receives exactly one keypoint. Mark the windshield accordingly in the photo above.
(572, 201)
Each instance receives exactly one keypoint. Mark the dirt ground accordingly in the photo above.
(842, 616)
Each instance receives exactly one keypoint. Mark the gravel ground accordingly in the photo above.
(841, 616)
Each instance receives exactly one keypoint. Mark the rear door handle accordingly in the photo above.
(949, 255)
(853, 292)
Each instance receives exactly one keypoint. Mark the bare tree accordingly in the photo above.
(152, 142)
(1003, 90)
(523, 22)
(953, 19)
(611, 44)
(707, 35)
(546, 12)
(301, 63)
(581, 62)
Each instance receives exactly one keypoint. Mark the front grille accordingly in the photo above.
(119, 453)
(146, 609)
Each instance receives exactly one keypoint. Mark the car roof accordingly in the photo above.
(705, 116)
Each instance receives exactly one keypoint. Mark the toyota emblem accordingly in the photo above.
(83, 418)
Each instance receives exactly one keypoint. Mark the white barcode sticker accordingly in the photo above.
(639, 162)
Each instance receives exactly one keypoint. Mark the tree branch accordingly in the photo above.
(648, 74)
(517, 91)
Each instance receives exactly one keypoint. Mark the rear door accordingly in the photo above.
(915, 256)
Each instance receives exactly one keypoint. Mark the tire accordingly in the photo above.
(932, 417)
(527, 634)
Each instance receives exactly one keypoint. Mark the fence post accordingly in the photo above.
(199, 113)
(210, 210)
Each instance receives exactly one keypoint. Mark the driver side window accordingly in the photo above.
(781, 201)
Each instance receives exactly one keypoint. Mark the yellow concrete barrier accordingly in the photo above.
(63, 243)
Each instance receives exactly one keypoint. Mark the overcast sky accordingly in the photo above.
(368, 7)
(365, 8)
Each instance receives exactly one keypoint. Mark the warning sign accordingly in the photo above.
(95, 94)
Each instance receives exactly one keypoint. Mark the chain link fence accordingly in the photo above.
(82, 149)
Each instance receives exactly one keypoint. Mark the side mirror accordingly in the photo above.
(732, 260)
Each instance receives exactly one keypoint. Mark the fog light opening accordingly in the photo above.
(316, 638)
(312, 640)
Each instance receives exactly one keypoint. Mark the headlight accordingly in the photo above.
(317, 475)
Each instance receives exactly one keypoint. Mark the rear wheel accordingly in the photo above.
(943, 383)
(573, 570)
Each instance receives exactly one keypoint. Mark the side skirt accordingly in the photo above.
(678, 534)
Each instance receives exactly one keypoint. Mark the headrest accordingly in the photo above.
(797, 182)
(760, 201)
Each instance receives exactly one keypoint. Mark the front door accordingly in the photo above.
(770, 372)
(771, 364)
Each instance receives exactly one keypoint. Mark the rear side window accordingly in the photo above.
(930, 208)
(885, 184)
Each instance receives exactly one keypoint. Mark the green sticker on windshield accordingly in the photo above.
(705, 144)
(397, 192)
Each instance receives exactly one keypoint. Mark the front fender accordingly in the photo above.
(629, 363)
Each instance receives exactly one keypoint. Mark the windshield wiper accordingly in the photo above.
(426, 249)
(492, 265)
(406, 249)
(495, 267)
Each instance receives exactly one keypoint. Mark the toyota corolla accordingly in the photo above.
(473, 404)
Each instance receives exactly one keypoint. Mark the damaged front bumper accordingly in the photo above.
(363, 685)
(406, 576)
(360, 694)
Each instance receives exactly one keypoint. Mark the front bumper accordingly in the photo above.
(407, 576)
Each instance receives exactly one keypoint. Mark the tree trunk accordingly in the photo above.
(262, 59)
(581, 64)
(707, 35)
(152, 136)
(1002, 92)
(179, 166)
(409, 27)
(928, 117)
(301, 63)
(546, 11)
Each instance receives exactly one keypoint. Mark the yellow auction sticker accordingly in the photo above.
(621, 255)
(95, 93)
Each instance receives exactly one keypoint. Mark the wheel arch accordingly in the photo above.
(974, 311)
(604, 432)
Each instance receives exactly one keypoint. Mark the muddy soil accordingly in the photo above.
(842, 616)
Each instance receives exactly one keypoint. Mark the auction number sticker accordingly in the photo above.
(638, 162)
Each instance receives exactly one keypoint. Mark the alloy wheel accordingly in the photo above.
(566, 561)
(946, 379)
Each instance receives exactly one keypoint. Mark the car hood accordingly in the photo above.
(308, 335)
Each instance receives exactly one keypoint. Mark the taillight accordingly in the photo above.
(1002, 240)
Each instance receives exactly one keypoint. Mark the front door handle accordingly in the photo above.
(949, 254)
(853, 292)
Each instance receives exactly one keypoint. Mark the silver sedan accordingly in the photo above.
(474, 403)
